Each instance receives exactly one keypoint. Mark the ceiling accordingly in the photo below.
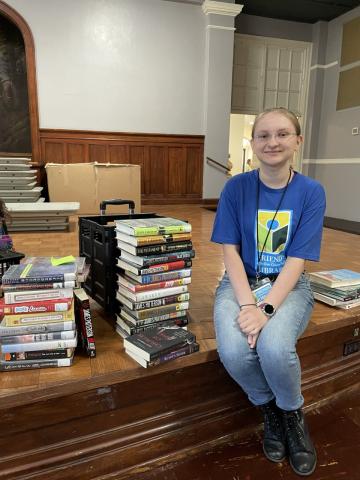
(308, 11)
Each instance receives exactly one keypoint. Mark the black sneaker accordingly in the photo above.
(302, 453)
(274, 439)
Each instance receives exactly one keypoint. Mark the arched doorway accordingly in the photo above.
(10, 66)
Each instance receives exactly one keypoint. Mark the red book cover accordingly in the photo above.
(42, 306)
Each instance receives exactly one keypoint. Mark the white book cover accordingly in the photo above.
(152, 294)
(31, 347)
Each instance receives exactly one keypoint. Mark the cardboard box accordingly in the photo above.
(91, 183)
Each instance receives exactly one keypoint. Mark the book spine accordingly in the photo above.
(37, 337)
(152, 312)
(37, 295)
(33, 319)
(17, 287)
(164, 230)
(138, 288)
(31, 347)
(132, 329)
(161, 277)
(163, 248)
(157, 318)
(181, 352)
(85, 326)
(33, 329)
(168, 238)
(36, 307)
(38, 354)
(8, 366)
(158, 302)
(161, 292)
(56, 278)
(165, 267)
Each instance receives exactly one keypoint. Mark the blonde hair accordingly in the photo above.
(282, 111)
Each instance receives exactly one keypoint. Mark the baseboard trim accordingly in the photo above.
(348, 226)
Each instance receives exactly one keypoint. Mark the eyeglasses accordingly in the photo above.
(280, 137)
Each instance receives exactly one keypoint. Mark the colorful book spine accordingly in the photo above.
(34, 318)
(150, 294)
(36, 307)
(160, 277)
(171, 247)
(137, 288)
(166, 357)
(153, 239)
(84, 321)
(157, 318)
(131, 329)
(164, 267)
(157, 302)
(156, 259)
(153, 312)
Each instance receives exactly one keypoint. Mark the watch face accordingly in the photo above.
(268, 309)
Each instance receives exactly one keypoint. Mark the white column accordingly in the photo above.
(219, 46)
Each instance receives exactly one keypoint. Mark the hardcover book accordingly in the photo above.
(21, 287)
(336, 303)
(28, 364)
(151, 294)
(39, 272)
(142, 227)
(160, 277)
(336, 278)
(344, 294)
(157, 302)
(26, 296)
(35, 307)
(153, 239)
(155, 341)
(84, 321)
(34, 346)
(37, 337)
(148, 270)
(154, 249)
(156, 311)
(135, 287)
(159, 318)
(32, 329)
(166, 357)
(38, 355)
(34, 318)
(131, 329)
(149, 260)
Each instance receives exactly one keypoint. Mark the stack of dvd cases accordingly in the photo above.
(155, 271)
(38, 324)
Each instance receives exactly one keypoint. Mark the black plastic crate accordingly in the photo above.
(7, 259)
(97, 243)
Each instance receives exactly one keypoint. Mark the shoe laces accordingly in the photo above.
(295, 433)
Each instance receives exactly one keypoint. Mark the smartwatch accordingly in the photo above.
(268, 309)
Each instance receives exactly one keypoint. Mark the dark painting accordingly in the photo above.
(14, 105)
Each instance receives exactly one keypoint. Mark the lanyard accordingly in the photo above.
(271, 224)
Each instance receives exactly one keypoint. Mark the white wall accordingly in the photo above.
(118, 65)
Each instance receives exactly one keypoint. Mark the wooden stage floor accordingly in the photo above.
(112, 365)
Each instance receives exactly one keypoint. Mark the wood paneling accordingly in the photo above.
(171, 165)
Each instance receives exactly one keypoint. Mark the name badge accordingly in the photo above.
(261, 289)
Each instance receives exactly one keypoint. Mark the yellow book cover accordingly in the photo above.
(36, 318)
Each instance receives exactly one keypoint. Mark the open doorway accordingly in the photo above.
(241, 158)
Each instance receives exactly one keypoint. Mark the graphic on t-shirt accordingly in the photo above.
(273, 258)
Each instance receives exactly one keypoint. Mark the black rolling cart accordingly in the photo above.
(97, 243)
(7, 259)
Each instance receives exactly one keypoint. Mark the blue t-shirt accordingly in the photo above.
(295, 232)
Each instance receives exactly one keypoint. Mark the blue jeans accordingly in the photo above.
(272, 369)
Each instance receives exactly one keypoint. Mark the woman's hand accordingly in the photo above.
(251, 320)
(252, 339)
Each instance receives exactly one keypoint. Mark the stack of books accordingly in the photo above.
(160, 344)
(155, 261)
(338, 288)
(38, 326)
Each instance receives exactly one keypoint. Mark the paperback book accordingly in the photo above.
(336, 303)
(39, 272)
(166, 357)
(130, 329)
(35, 307)
(37, 295)
(20, 287)
(38, 354)
(84, 322)
(147, 261)
(160, 277)
(156, 341)
(157, 311)
(158, 302)
(28, 364)
(33, 329)
(148, 270)
(150, 294)
(135, 287)
(159, 318)
(35, 318)
(43, 345)
(163, 248)
(336, 278)
(152, 239)
(344, 294)
(142, 227)
(37, 337)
